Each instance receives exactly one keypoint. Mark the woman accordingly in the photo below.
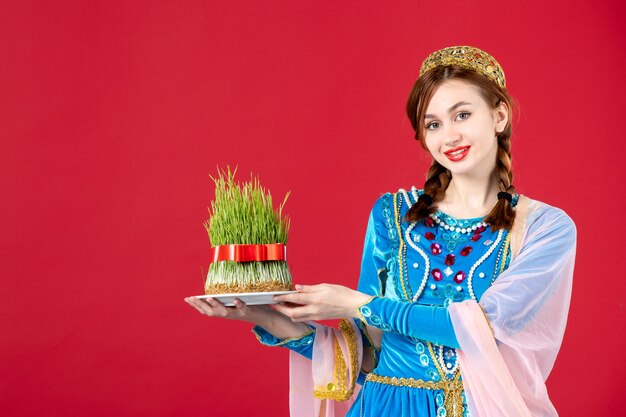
(465, 285)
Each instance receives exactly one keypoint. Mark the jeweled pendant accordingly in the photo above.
(435, 248)
(459, 277)
(429, 235)
(466, 251)
(429, 222)
(450, 258)
(437, 275)
(476, 238)
(479, 230)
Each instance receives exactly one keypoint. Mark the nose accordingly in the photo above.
(452, 135)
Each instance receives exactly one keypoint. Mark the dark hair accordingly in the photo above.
(438, 177)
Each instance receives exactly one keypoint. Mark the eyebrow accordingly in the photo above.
(450, 110)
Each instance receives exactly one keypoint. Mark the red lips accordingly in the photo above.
(457, 154)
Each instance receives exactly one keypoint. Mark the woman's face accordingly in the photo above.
(461, 127)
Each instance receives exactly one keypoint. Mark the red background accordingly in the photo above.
(114, 113)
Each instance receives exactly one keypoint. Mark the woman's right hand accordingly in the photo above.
(271, 320)
(256, 314)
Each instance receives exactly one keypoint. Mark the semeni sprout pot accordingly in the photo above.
(248, 238)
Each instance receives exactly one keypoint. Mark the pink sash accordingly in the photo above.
(510, 340)
(326, 386)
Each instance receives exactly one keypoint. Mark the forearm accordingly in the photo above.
(430, 323)
(275, 329)
(302, 343)
(280, 326)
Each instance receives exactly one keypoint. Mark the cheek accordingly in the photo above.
(432, 142)
(431, 149)
(433, 146)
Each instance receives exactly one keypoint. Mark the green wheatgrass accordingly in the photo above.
(242, 213)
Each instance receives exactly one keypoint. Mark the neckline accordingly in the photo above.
(445, 216)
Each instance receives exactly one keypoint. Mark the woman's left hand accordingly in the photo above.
(321, 302)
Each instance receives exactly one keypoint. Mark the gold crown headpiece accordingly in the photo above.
(466, 57)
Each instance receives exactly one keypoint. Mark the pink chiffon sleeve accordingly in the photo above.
(510, 339)
(325, 386)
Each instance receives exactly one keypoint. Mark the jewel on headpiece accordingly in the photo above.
(466, 57)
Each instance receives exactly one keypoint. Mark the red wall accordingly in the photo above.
(114, 113)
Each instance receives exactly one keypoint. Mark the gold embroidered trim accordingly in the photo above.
(353, 347)
(505, 251)
(341, 370)
(450, 400)
(413, 383)
(452, 389)
(442, 372)
(401, 246)
(358, 311)
(342, 388)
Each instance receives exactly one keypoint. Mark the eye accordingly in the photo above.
(463, 115)
(432, 125)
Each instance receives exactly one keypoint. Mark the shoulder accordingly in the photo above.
(390, 207)
(401, 200)
(541, 215)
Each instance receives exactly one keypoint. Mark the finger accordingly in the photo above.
(214, 301)
(202, 310)
(192, 304)
(218, 307)
(296, 314)
(193, 301)
(296, 298)
(201, 306)
(240, 306)
(310, 288)
(283, 309)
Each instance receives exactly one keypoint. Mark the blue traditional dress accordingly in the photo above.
(414, 271)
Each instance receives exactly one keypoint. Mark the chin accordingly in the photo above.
(459, 167)
(468, 166)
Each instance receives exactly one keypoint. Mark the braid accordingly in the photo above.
(437, 181)
(502, 215)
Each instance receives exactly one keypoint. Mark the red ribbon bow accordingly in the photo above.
(249, 253)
